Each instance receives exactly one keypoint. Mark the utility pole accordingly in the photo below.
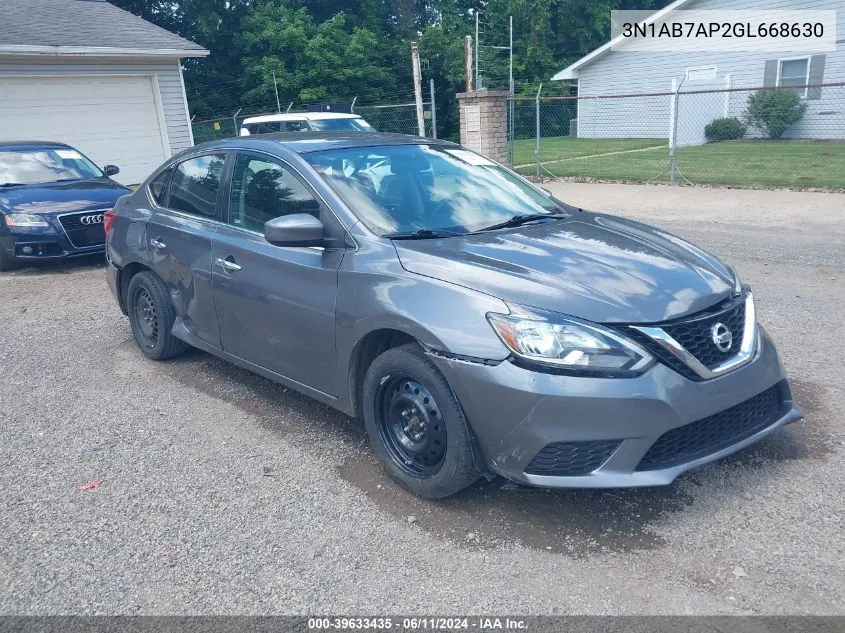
(477, 86)
(415, 62)
(468, 61)
(511, 123)
(433, 110)
(276, 88)
(510, 57)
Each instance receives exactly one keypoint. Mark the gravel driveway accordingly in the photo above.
(224, 493)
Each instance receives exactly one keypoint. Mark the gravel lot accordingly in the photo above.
(225, 493)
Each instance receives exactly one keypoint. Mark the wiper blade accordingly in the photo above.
(519, 220)
(10, 184)
(422, 234)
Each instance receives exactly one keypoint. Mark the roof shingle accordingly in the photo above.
(83, 23)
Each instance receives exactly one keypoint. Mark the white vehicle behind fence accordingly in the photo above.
(302, 121)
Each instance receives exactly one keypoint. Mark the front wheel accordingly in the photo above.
(416, 425)
(151, 315)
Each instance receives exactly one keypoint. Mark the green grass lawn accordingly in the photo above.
(787, 163)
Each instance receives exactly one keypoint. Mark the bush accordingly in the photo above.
(724, 129)
(773, 111)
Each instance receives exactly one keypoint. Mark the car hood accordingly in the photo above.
(592, 266)
(61, 197)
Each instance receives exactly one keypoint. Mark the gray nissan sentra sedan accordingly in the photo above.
(477, 324)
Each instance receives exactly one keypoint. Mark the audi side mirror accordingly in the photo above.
(296, 229)
(111, 170)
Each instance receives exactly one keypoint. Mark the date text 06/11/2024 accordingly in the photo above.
(418, 623)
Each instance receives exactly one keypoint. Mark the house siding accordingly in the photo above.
(646, 72)
(166, 72)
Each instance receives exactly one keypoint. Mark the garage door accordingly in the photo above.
(112, 120)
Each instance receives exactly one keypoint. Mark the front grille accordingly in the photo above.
(81, 234)
(571, 459)
(695, 335)
(697, 338)
(662, 354)
(714, 433)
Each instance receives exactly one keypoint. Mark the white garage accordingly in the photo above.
(123, 104)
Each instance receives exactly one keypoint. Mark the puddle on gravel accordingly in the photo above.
(490, 513)
(497, 512)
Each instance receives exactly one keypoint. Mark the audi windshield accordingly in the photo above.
(429, 191)
(44, 165)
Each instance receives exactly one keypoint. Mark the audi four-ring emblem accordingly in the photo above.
(88, 220)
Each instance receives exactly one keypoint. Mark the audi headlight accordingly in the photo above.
(25, 220)
(571, 346)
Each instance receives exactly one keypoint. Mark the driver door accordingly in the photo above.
(275, 305)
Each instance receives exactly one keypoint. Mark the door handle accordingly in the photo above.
(157, 244)
(227, 264)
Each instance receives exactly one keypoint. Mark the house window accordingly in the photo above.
(793, 73)
(701, 73)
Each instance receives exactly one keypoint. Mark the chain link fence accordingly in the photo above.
(398, 118)
(792, 137)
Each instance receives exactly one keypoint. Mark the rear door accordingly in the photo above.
(179, 237)
(276, 305)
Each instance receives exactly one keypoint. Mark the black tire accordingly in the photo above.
(389, 387)
(6, 262)
(151, 315)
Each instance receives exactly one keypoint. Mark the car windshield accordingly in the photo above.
(31, 166)
(441, 189)
(341, 125)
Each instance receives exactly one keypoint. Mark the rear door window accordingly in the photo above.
(195, 185)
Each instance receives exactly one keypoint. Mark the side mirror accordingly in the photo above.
(111, 170)
(296, 229)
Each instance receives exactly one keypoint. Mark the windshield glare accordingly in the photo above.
(341, 125)
(25, 167)
(407, 188)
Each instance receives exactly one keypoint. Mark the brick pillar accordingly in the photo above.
(484, 122)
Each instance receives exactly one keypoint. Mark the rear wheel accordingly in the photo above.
(151, 315)
(416, 425)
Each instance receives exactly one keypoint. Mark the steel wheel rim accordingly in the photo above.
(146, 316)
(411, 426)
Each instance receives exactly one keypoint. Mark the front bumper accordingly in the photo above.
(516, 413)
(46, 246)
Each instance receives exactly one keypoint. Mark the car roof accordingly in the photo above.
(10, 145)
(299, 116)
(305, 142)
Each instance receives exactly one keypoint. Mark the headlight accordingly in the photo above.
(571, 346)
(25, 220)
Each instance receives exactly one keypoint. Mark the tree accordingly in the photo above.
(327, 61)
(334, 50)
